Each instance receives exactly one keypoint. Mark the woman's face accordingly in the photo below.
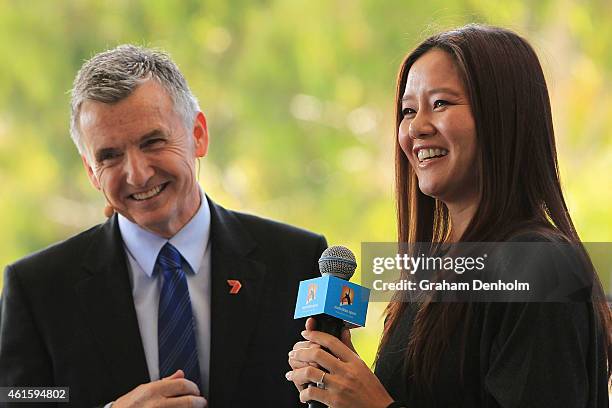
(437, 132)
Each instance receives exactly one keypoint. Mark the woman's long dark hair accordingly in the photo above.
(518, 177)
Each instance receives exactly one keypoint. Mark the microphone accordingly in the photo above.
(331, 299)
(340, 262)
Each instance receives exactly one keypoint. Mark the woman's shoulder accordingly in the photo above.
(533, 231)
(555, 267)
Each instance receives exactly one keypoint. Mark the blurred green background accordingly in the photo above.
(299, 101)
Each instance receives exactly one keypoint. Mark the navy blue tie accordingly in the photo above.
(175, 326)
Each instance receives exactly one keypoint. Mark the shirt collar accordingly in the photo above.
(191, 240)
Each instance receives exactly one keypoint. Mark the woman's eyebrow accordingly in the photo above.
(445, 90)
(405, 97)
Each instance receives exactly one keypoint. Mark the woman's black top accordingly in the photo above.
(516, 355)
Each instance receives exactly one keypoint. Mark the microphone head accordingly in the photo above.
(338, 261)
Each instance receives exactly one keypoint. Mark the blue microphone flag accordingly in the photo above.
(334, 297)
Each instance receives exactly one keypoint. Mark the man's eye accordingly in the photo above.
(106, 156)
(408, 111)
(152, 142)
(439, 103)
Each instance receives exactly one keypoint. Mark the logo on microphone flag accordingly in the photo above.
(312, 292)
(347, 296)
(334, 297)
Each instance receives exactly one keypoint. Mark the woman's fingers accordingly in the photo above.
(303, 345)
(310, 375)
(314, 394)
(349, 382)
(289, 376)
(315, 355)
(307, 375)
(311, 324)
(295, 364)
(334, 345)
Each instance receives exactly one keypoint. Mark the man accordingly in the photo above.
(174, 301)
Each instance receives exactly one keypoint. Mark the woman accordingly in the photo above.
(476, 96)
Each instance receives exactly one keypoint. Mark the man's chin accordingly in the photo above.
(150, 222)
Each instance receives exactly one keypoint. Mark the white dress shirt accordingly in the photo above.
(142, 248)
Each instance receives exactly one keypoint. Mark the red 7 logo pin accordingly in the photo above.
(235, 286)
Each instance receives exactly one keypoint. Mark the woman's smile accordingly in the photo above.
(437, 132)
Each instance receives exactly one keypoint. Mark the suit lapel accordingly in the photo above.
(233, 316)
(106, 297)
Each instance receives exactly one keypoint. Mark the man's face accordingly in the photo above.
(139, 154)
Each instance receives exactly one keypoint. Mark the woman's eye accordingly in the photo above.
(408, 111)
(439, 103)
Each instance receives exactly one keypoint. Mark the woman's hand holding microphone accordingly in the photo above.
(348, 383)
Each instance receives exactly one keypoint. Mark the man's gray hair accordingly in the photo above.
(113, 75)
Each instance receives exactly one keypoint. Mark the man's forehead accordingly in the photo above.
(120, 135)
(89, 114)
(132, 116)
(149, 96)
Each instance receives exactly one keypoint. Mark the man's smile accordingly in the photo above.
(146, 195)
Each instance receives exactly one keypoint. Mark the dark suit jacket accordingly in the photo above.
(68, 318)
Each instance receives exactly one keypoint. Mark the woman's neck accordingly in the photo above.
(461, 214)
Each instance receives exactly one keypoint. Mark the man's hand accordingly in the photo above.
(174, 391)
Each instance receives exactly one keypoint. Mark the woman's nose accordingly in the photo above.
(420, 127)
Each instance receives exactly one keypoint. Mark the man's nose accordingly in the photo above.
(138, 171)
(421, 126)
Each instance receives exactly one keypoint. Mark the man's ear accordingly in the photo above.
(90, 173)
(200, 135)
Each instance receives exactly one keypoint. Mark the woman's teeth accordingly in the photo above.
(148, 194)
(425, 154)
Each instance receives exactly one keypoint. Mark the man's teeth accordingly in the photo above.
(148, 194)
(429, 153)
